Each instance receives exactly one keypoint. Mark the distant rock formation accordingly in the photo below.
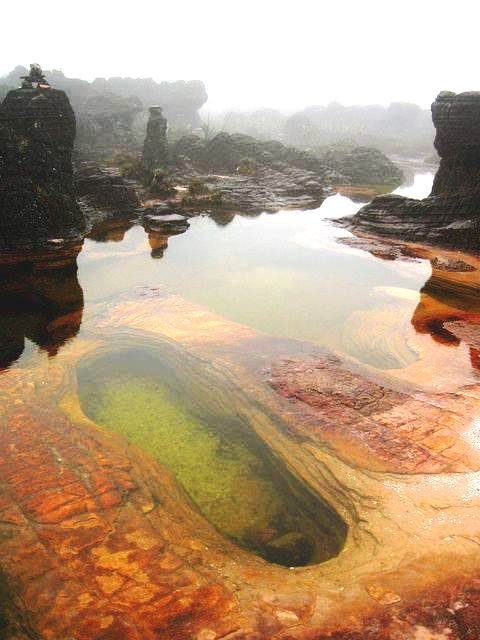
(361, 165)
(253, 175)
(450, 216)
(227, 152)
(112, 113)
(37, 201)
(106, 124)
(155, 148)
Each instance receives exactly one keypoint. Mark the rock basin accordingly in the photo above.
(177, 409)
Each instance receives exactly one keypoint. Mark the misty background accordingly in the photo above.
(254, 54)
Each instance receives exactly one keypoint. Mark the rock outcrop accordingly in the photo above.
(362, 165)
(253, 175)
(103, 193)
(155, 147)
(450, 215)
(37, 201)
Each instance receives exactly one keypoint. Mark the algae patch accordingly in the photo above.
(180, 415)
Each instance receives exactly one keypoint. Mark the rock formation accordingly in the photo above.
(37, 131)
(253, 175)
(450, 216)
(155, 148)
(106, 125)
(103, 193)
(362, 165)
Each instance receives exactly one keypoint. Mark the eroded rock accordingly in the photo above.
(449, 216)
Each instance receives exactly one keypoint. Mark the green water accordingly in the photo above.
(223, 466)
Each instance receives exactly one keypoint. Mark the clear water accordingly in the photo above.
(283, 274)
(286, 275)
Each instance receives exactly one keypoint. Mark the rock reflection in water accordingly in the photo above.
(42, 301)
(111, 230)
(449, 307)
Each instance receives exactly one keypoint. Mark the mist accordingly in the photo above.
(257, 54)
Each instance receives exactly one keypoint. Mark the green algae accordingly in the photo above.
(182, 418)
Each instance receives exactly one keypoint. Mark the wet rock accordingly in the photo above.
(103, 193)
(37, 199)
(449, 216)
(173, 223)
(372, 425)
(291, 549)
(253, 175)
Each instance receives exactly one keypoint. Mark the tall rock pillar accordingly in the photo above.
(37, 200)
(155, 148)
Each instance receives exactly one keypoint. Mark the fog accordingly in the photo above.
(256, 53)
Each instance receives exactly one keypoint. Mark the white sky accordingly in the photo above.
(253, 53)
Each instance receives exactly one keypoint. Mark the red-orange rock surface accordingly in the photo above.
(98, 542)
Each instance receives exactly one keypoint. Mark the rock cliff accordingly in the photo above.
(37, 131)
(450, 216)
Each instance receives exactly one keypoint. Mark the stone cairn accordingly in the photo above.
(35, 78)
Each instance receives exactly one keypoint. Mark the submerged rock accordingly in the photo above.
(450, 216)
(37, 199)
(291, 549)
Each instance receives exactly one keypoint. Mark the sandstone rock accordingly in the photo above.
(155, 148)
(37, 200)
(253, 175)
(103, 192)
(291, 549)
(449, 216)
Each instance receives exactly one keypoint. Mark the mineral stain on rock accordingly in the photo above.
(177, 411)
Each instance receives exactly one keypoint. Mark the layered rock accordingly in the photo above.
(450, 216)
(362, 165)
(155, 148)
(252, 175)
(101, 542)
(37, 200)
(103, 193)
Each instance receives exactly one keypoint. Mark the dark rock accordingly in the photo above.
(291, 549)
(171, 224)
(103, 193)
(155, 148)
(450, 216)
(361, 165)
(253, 175)
(37, 200)
(42, 300)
